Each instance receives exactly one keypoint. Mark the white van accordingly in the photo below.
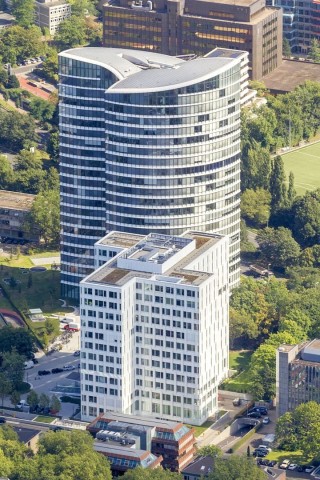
(28, 364)
(67, 320)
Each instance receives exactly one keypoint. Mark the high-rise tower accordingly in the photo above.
(148, 143)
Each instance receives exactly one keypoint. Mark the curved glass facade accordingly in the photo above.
(161, 161)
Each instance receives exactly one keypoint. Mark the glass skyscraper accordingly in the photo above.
(148, 143)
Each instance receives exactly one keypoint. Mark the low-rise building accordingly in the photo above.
(49, 14)
(28, 436)
(14, 207)
(298, 375)
(173, 443)
(6, 20)
(124, 457)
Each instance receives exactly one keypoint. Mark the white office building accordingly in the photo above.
(148, 144)
(49, 14)
(154, 326)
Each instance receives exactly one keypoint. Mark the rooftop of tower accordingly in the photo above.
(140, 70)
(163, 257)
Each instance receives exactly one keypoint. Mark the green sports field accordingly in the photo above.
(305, 165)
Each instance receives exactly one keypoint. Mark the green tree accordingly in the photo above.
(6, 173)
(291, 190)
(44, 216)
(16, 130)
(12, 82)
(15, 397)
(33, 398)
(13, 367)
(241, 326)
(140, 473)
(209, 450)
(19, 339)
(55, 404)
(41, 110)
(306, 258)
(44, 400)
(5, 386)
(49, 326)
(286, 49)
(314, 53)
(278, 188)
(50, 65)
(300, 429)
(6, 465)
(53, 146)
(256, 166)
(255, 206)
(24, 11)
(71, 33)
(28, 160)
(18, 43)
(278, 247)
(236, 467)
(306, 223)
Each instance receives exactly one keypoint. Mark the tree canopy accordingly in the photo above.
(236, 467)
(44, 216)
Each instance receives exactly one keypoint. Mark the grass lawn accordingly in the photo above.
(305, 165)
(198, 430)
(294, 457)
(43, 419)
(238, 360)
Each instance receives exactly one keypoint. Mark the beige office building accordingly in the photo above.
(180, 27)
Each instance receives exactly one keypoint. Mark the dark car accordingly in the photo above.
(272, 463)
(43, 372)
(254, 415)
(35, 361)
(55, 428)
(262, 410)
(260, 453)
(46, 410)
(2, 420)
(56, 370)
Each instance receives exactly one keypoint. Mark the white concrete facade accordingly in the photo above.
(154, 326)
(51, 14)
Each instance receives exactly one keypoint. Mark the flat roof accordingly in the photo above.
(239, 3)
(15, 200)
(120, 239)
(111, 274)
(290, 74)
(200, 466)
(139, 420)
(147, 71)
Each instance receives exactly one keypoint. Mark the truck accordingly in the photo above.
(72, 327)
(260, 270)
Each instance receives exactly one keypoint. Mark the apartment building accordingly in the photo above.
(154, 326)
(49, 14)
(148, 143)
(197, 26)
(14, 208)
(298, 375)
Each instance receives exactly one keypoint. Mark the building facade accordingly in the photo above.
(49, 14)
(148, 143)
(196, 27)
(14, 208)
(154, 326)
(298, 375)
(301, 22)
(173, 443)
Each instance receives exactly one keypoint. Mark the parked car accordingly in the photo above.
(266, 420)
(292, 466)
(262, 410)
(254, 415)
(260, 453)
(76, 353)
(285, 464)
(68, 367)
(22, 403)
(43, 372)
(272, 463)
(310, 468)
(264, 447)
(57, 370)
(3, 420)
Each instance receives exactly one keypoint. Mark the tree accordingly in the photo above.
(44, 400)
(53, 146)
(16, 130)
(24, 11)
(41, 110)
(278, 247)
(50, 65)
(277, 185)
(5, 386)
(241, 326)
(256, 166)
(314, 53)
(209, 450)
(49, 326)
(18, 43)
(13, 367)
(15, 397)
(286, 49)
(19, 339)
(12, 82)
(300, 429)
(33, 398)
(71, 33)
(306, 223)
(291, 190)
(44, 216)
(255, 206)
(55, 404)
(140, 473)
(236, 467)
(28, 160)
